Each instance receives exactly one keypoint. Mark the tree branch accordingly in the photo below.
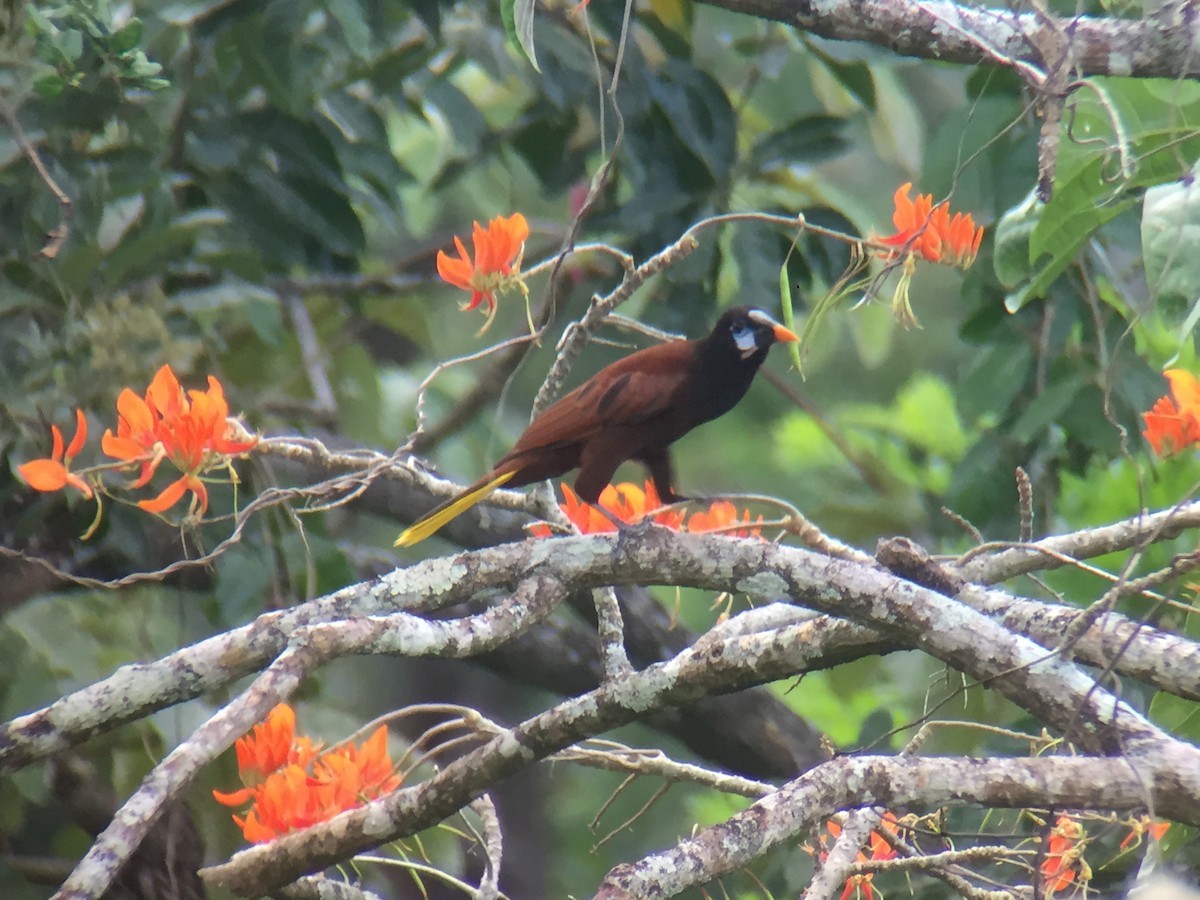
(890, 782)
(1161, 47)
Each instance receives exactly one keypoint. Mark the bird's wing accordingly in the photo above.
(631, 391)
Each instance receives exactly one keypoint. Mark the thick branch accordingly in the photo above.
(1058, 550)
(309, 648)
(892, 782)
(1164, 660)
(1055, 691)
(952, 32)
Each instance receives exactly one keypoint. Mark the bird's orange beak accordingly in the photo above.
(784, 335)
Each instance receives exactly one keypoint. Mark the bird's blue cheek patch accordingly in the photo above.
(745, 342)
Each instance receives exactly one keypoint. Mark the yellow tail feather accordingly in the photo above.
(452, 508)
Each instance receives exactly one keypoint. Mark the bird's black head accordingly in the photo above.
(747, 332)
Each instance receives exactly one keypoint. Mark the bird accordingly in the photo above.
(633, 409)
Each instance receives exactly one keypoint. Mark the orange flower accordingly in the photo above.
(720, 515)
(626, 501)
(1144, 825)
(1172, 426)
(1064, 865)
(497, 264)
(301, 786)
(631, 504)
(192, 430)
(881, 850)
(54, 473)
(372, 762)
(930, 232)
(271, 745)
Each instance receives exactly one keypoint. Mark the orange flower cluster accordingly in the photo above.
(881, 849)
(54, 473)
(290, 784)
(191, 429)
(631, 504)
(1064, 865)
(1173, 425)
(722, 516)
(931, 232)
(497, 263)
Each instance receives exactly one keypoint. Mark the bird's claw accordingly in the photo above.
(633, 530)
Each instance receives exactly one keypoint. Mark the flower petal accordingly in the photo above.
(234, 798)
(81, 430)
(904, 217)
(196, 486)
(168, 498)
(1186, 390)
(80, 485)
(137, 419)
(44, 474)
(121, 447)
(457, 272)
(164, 394)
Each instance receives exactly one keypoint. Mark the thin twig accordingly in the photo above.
(57, 236)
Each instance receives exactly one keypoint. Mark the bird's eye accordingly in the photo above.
(743, 337)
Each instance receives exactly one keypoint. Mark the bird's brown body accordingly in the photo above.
(633, 409)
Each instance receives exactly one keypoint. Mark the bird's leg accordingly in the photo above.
(597, 464)
(662, 473)
(621, 525)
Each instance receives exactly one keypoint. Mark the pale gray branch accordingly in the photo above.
(309, 648)
(1057, 551)
(893, 783)
(1053, 690)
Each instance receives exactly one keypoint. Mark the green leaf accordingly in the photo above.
(1127, 135)
(127, 37)
(242, 578)
(143, 249)
(518, 25)
(1078, 209)
(1011, 255)
(350, 18)
(231, 301)
(997, 376)
(1046, 408)
(49, 86)
(789, 316)
(1170, 235)
(119, 216)
(1178, 716)
(925, 414)
(1074, 229)
(698, 110)
(810, 139)
(856, 77)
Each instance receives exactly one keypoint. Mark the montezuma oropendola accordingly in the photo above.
(633, 409)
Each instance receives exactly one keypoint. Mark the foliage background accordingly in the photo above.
(239, 170)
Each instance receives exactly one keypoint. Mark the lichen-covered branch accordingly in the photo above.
(1055, 691)
(1167, 661)
(894, 783)
(1008, 561)
(955, 622)
(309, 648)
(1162, 46)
